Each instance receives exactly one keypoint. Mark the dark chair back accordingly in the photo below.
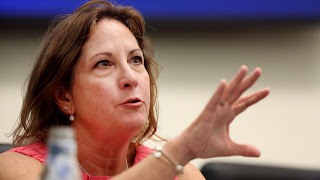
(230, 171)
(5, 147)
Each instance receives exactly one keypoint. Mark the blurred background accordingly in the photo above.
(197, 43)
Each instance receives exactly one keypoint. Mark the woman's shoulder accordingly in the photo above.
(14, 165)
(23, 162)
(36, 150)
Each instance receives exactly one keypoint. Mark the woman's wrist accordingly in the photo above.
(178, 150)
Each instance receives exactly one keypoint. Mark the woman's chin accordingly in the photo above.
(134, 123)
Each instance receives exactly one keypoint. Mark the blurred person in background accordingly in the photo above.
(96, 72)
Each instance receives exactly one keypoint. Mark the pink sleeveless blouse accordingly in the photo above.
(38, 151)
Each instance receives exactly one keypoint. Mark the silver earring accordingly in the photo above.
(71, 117)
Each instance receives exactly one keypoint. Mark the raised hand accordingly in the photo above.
(208, 136)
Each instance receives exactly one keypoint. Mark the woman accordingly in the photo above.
(96, 72)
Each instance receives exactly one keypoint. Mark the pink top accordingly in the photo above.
(38, 151)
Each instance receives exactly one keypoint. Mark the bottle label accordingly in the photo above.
(62, 160)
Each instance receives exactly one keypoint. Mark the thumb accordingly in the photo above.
(244, 150)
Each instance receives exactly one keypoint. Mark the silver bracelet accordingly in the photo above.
(159, 153)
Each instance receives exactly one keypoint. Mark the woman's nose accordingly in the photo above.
(127, 78)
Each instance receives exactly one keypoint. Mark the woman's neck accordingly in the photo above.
(103, 157)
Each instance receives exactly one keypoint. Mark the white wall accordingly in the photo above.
(285, 126)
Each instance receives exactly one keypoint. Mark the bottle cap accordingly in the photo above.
(61, 132)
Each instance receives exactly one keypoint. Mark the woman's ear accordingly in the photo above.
(63, 99)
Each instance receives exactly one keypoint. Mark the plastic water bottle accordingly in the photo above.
(62, 158)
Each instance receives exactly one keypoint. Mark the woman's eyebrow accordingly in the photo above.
(102, 53)
(110, 54)
(135, 50)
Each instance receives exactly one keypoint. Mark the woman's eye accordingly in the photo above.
(137, 60)
(104, 63)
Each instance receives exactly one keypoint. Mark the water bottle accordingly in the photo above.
(62, 163)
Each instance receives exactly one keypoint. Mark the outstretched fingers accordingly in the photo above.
(245, 84)
(241, 104)
(234, 83)
(216, 98)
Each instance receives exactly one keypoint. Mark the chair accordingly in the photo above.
(230, 171)
(5, 147)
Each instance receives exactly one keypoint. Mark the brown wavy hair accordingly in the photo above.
(54, 67)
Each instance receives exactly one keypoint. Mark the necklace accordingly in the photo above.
(127, 167)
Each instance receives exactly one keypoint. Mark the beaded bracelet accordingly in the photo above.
(159, 153)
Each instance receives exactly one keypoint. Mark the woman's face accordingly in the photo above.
(111, 90)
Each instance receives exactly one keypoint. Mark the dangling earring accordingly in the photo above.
(71, 117)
